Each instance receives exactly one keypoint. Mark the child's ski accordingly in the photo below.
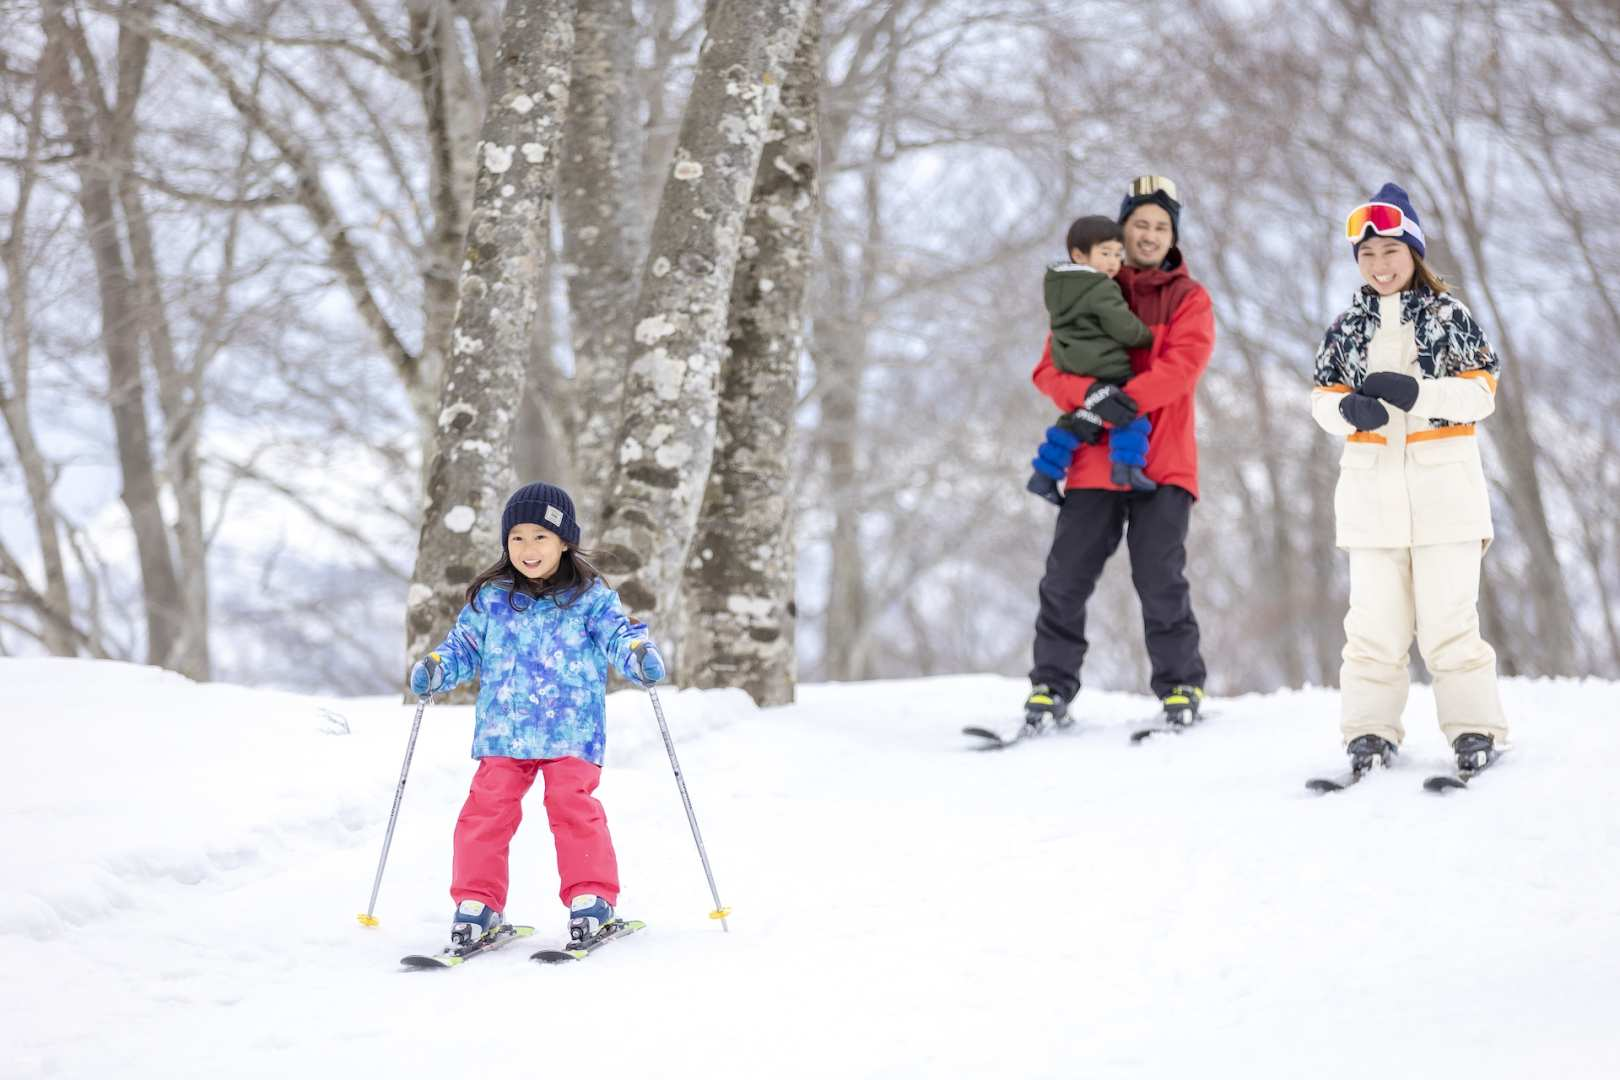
(453, 957)
(612, 931)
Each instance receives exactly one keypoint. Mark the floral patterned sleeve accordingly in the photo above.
(461, 653)
(612, 630)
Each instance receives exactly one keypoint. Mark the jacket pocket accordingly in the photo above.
(1355, 496)
(1446, 484)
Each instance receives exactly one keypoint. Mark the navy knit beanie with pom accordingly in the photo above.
(1395, 195)
(545, 505)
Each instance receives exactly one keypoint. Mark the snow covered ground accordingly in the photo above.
(181, 866)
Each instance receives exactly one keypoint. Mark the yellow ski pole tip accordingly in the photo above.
(720, 913)
(367, 920)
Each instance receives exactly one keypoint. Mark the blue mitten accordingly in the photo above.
(427, 675)
(646, 666)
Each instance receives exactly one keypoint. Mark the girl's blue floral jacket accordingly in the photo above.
(542, 670)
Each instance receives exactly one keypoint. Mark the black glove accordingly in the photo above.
(1110, 404)
(1399, 390)
(1362, 412)
(1083, 425)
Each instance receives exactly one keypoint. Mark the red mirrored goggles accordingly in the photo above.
(1384, 219)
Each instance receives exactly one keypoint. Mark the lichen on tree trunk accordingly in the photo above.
(671, 402)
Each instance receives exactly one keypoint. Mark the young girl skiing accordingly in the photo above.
(1403, 376)
(539, 629)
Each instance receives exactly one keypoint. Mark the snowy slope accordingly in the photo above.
(181, 865)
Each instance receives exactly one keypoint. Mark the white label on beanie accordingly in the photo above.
(553, 516)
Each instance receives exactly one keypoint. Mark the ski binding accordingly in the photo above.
(579, 950)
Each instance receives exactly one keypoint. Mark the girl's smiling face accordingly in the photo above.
(534, 550)
(1385, 264)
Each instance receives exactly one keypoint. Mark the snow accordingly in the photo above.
(181, 866)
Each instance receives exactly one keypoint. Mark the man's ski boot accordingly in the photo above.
(587, 914)
(1181, 705)
(1045, 706)
(1369, 752)
(474, 922)
(1474, 751)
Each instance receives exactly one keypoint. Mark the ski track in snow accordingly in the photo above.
(181, 865)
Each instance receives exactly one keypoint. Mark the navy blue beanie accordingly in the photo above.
(1395, 195)
(545, 505)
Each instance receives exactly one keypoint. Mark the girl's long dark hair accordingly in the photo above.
(574, 575)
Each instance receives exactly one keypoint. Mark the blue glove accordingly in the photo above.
(427, 675)
(646, 666)
(1128, 445)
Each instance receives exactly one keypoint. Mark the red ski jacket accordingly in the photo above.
(1183, 322)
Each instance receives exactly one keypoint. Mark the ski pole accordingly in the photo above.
(368, 919)
(720, 910)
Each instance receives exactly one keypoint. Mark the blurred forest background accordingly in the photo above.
(231, 238)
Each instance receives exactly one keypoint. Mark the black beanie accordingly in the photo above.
(1158, 191)
(545, 505)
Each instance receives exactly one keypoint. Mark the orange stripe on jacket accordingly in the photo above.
(1452, 432)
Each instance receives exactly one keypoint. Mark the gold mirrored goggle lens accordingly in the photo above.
(1150, 185)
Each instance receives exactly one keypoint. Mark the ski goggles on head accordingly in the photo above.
(1143, 186)
(1384, 219)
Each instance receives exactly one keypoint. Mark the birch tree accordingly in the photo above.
(667, 435)
(470, 474)
(740, 577)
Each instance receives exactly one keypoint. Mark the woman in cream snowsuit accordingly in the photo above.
(1403, 376)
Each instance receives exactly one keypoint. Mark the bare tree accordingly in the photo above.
(49, 605)
(101, 134)
(471, 472)
(740, 578)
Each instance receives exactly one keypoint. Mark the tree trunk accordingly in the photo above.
(740, 580)
(470, 473)
(120, 324)
(672, 391)
(599, 195)
(451, 106)
(179, 395)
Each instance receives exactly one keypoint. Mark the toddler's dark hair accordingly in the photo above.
(1087, 232)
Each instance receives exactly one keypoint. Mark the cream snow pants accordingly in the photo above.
(1434, 590)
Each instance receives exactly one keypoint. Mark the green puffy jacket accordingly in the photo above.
(1091, 325)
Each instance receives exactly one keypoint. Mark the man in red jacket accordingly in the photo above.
(1096, 513)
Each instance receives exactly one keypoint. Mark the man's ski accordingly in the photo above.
(1160, 726)
(612, 931)
(454, 957)
(997, 740)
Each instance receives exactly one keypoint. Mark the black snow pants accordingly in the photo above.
(1089, 526)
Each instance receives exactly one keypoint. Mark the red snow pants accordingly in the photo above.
(494, 807)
